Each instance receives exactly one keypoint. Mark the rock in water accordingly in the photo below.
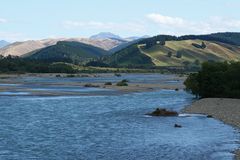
(209, 116)
(163, 112)
(177, 126)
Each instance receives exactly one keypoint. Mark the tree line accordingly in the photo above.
(215, 80)
(12, 64)
(228, 38)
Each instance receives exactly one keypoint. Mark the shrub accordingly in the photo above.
(169, 54)
(108, 83)
(202, 46)
(58, 75)
(197, 62)
(125, 81)
(71, 76)
(91, 85)
(179, 55)
(122, 83)
(118, 75)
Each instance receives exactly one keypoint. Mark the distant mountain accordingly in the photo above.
(106, 35)
(3, 43)
(21, 48)
(64, 51)
(124, 45)
(136, 38)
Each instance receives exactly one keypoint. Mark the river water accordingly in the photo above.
(109, 127)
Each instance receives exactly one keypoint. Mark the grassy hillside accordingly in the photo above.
(171, 51)
(184, 53)
(67, 52)
(179, 53)
(129, 57)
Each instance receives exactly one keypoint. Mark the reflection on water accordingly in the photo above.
(14, 93)
(109, 127)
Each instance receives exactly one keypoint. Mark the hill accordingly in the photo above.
(73, 52)
(22, 48)
(185, 51)
(129, 57)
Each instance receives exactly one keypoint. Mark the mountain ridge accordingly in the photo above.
(3, 43)
(22, 48)
(67, 51)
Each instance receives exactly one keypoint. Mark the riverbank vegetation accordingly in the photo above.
(215, 79)
(12, 64)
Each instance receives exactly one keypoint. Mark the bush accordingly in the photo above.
(202, 46)
(125, 81)
(71, 76)
(91, 85)
(118, 75)
(58, 76)
(122, 83)
(216, 79)
(108, 83)
(197, 62)
(179, 55)
(169, 54)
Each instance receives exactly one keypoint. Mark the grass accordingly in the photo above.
(213, 51)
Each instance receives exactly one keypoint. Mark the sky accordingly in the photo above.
(38, 19)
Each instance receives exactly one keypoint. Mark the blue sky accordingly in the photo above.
(32, 19)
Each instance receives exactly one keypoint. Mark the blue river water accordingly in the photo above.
(109, 127)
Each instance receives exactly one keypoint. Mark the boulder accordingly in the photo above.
(177, 126)
(209, 116)
(163, 112)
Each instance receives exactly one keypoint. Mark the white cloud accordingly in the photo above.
(2, 20)
(136, 27)
(166, 20)
(180, 26)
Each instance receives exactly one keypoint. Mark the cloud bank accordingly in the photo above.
(135, 27)
(180, 26)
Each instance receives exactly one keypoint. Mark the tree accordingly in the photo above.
(197, 62)
(179, 55)
(192, 84)
(203, 45)
(162, 43)
(150, 44)
(215, 79)
(169, 54)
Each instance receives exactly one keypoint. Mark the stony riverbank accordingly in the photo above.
(226, 110)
